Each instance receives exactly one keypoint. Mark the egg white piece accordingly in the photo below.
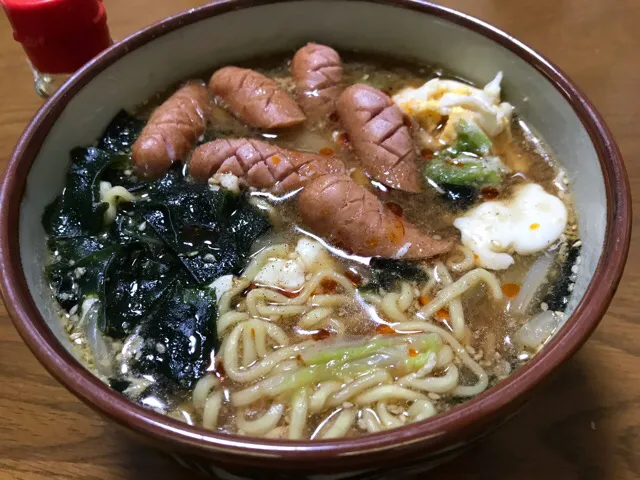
(281, 273)
(457, 100)
(527, 223)
(222, 285)
(311, 252)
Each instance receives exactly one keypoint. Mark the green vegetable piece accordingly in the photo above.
(465, 171)
(413, 364)
(346, 354)
(471, 139)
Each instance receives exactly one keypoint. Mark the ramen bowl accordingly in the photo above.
(229, 31)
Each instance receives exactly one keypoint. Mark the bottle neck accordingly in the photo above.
(46, 84)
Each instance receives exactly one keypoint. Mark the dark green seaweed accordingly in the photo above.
(151, 267)
(386, 273)
(77, 211)
(179, 336)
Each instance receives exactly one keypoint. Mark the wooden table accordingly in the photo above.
(585, 423)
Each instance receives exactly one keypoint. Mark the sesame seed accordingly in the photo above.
(574, 269)
(347, 404)
(471, 350)
(433, 396)
(571, 287)
(578, 244)
(544, 307)
(142, 226)
(160, 348)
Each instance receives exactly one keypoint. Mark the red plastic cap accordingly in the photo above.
(59, 36)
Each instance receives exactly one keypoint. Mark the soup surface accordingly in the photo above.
(423, 252)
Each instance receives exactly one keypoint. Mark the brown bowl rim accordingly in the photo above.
(441, 430)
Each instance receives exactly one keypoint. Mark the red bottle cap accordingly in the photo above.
(59, 36)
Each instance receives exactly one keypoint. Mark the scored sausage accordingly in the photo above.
(380, 139)
(172, 130)
(260, 164)
(338, 209)
(317, 73)
(255, 99)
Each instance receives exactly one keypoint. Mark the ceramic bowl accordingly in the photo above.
(230, 31)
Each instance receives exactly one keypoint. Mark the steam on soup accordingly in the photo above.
(313, 249)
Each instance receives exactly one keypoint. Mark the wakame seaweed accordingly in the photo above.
(77, 211)
(179, 335)
(152, 265)
(386, 273)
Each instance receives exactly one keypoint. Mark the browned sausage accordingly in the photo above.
(317, 74)
(338, 209)
(260, 164)
(172, 130)
(255, 99)
(380, 139)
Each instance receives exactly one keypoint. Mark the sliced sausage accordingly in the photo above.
(380, 139)
(317, 74)
(259, 164)
(172, 130)
(255, 99)
(338, 209)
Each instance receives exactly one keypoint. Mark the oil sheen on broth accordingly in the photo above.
(305, 337)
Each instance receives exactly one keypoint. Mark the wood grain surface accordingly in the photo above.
(585, 422)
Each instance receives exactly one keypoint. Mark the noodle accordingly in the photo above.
(340, 426)
(299, 409)
(359, 385)
(455, 307)
(386, 419)
(460, 286)
(466, 263)
(460, 390)
(258, 427)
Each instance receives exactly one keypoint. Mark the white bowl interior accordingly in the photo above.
(353, 25)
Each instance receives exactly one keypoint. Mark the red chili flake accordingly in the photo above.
(275, 160)
(395, 208)
(413, 352)
(443, 315)
(329, 285)
(343, 139)
(426, 154)
(299, 358)
(326, 151)
(383, 329)
(423, 299)
(321, 334)
(407, 121)
(354, 277)
(489, 193)
(334, 117)
(511, 290)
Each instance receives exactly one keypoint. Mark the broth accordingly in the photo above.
(264, 374)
